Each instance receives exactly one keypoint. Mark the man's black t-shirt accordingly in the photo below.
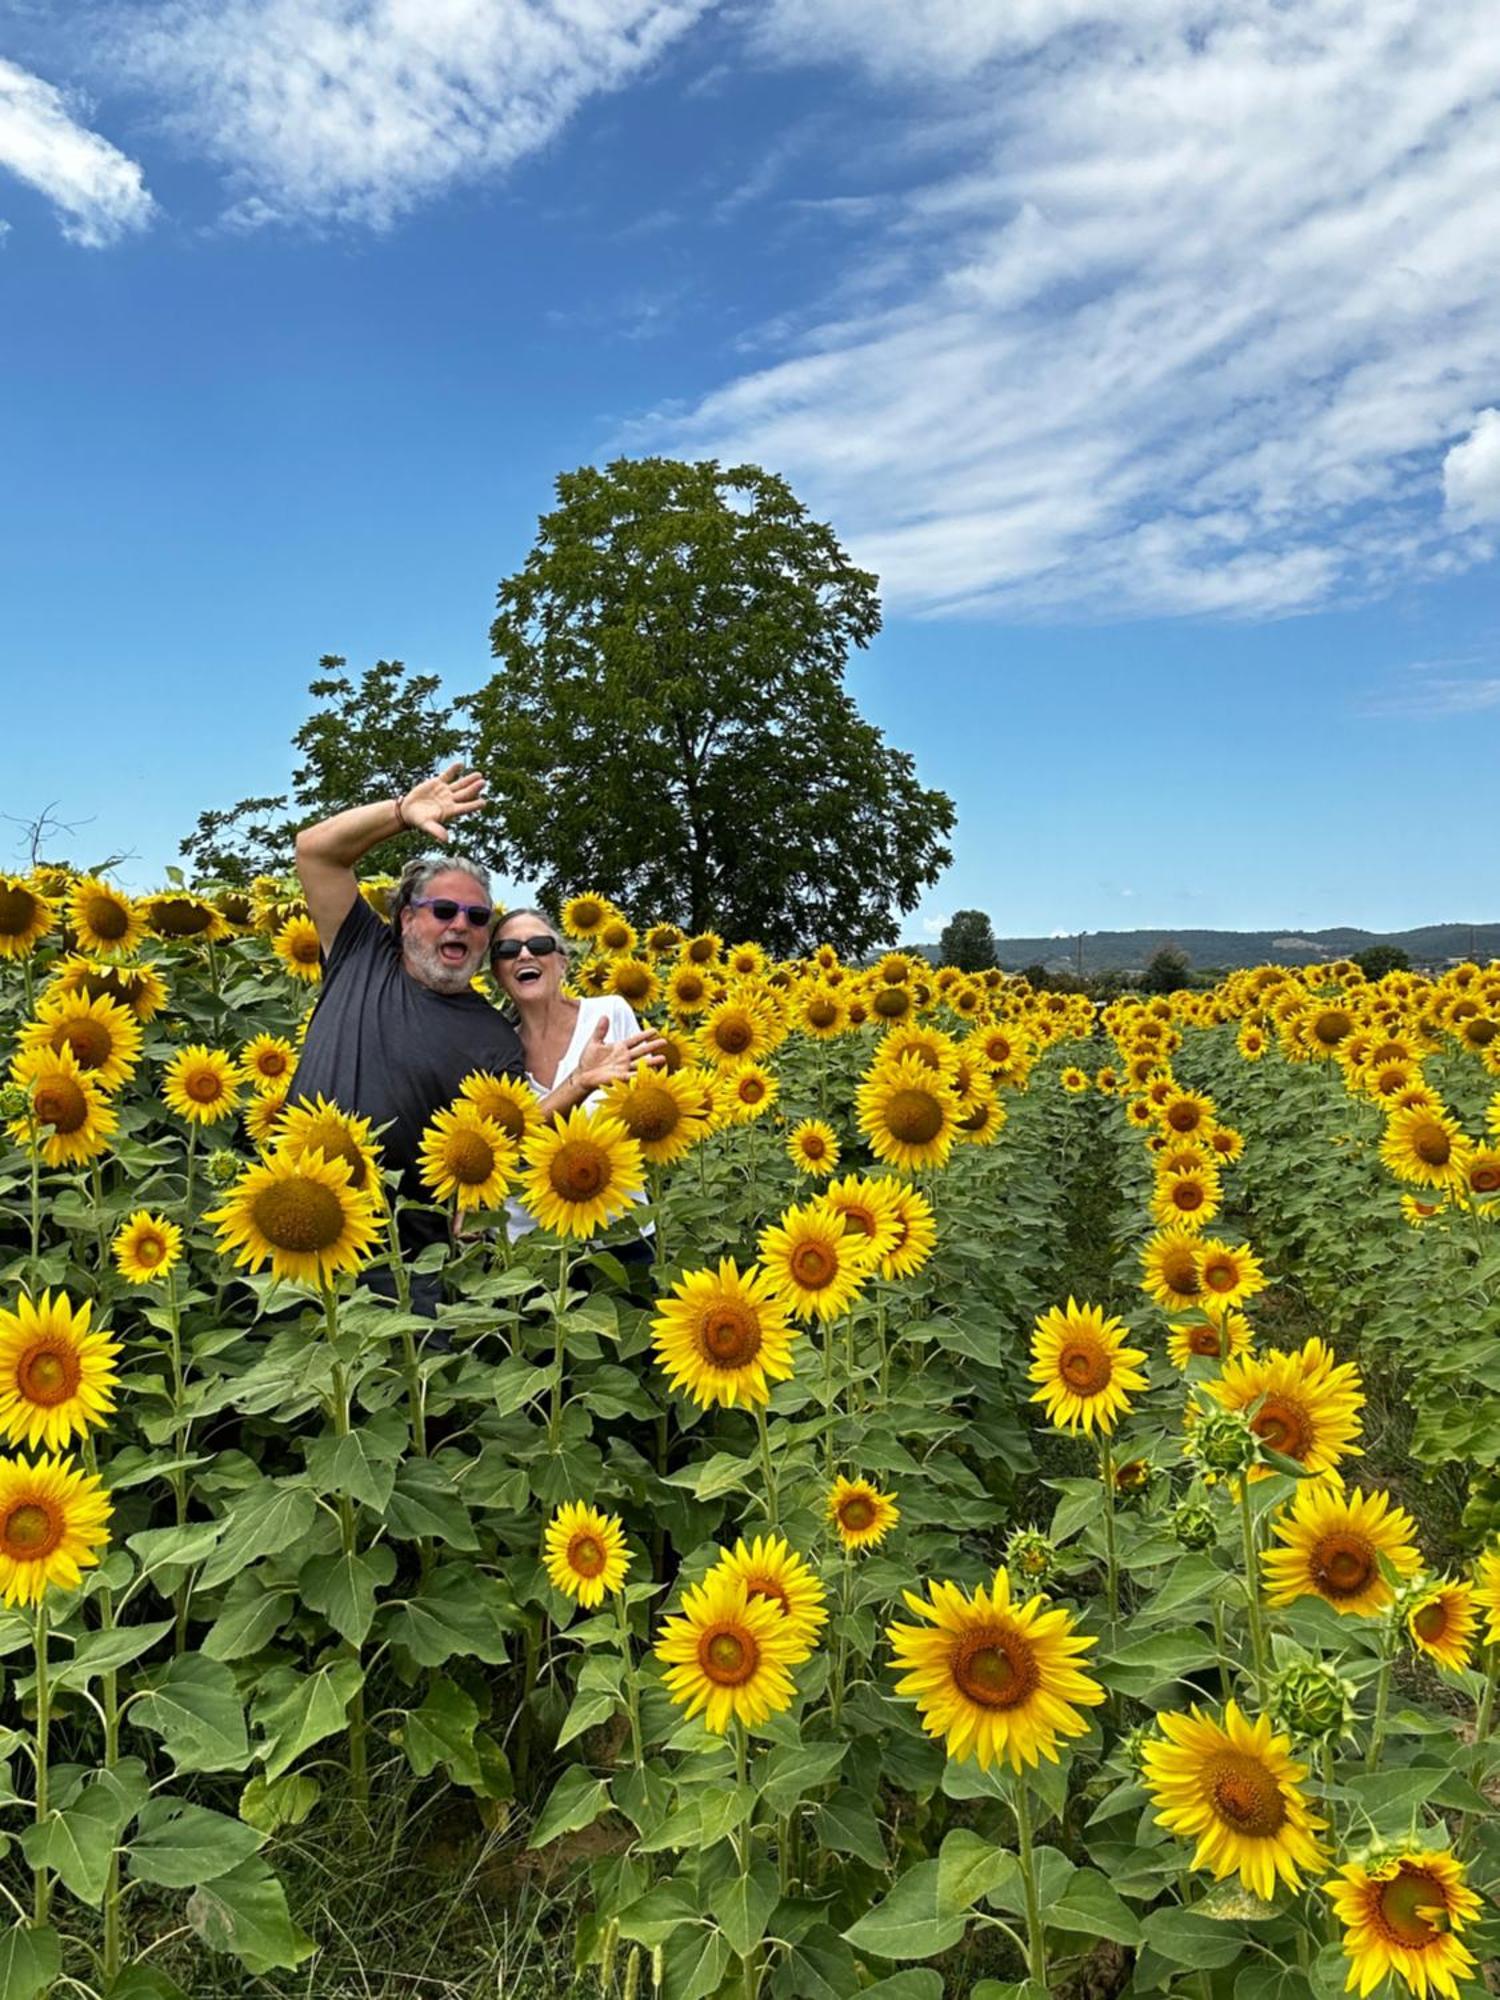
(384, 1046)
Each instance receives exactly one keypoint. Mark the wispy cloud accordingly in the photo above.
(357, 110)
(100, 195)
(1189, 328)
(1471, 472)
(1463, 684)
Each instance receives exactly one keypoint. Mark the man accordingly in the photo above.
(397, 1026)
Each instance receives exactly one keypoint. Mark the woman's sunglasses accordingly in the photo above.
(539, 947)
(445, 910)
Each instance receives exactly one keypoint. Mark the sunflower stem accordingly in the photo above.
(111, 1704)
(42, 1880)
(828, 1451)
(1111, 1557)
(34, 1147)
(884, 1352)
(773, 1503)
(1036, 1942)
(359, 1768)
(1483, 1714)
(559, 1359)
(192, 1162)
(632, 1694)
(1382, 1701)
(744, 1847)
(97, 1180)
(1252, 1589)
(179, 1450)
(841, 1649)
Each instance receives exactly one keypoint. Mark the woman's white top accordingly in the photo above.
(622, 1024)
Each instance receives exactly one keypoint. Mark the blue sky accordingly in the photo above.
(1148, 353)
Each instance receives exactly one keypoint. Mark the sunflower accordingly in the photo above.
(981, 1121)
(146, 1246)
(908, 1115)
(1304, 1404)
(689, 990)
(56, 1373)
(663, 939)
(723, 1336)
(992, 1679)
(822, 1013)
(1178, 1156)
(706, 948)
(1187, 1114)
(465, 1158)
(103, 1037)
(1084, 1368)
(201, 1084)
(661, 1112)
(1190, 1199)
(1337, 1545)
(1402, 1913)
(585, 1554)
(734, 1031)
(584, 916)
(889, 1004)
(299, 1213)
(1441, 1622)
(268, 1061)
(104, 919)
(729, 1654)
(813, 1148)
(1230, 1273)
(615, 936)
(264, 1113)
(1169, 1269)
(861, 1514)
(1234, 1789)
(53, 1521)
(68, 1115)
(635, 981)
(918, 1237)
(26, 916)
(814, 1263)
(137, 988)
(581, 1172)
(1251, 1042)
(751, 1091)
(179, 915)
(1417, 1212)
(1226, 1144)
(1423, 1145)
(1074, 1081)
(868, 1209)
(296, 945)
(1481, 1172)
(1216, 1338)
(772, 1569)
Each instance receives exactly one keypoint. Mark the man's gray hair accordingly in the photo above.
(416, 875)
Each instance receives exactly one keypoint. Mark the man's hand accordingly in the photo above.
(428, 807)
(604, 1062)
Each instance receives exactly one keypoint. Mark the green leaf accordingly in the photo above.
(270, 1805)
(178, 1845)
(1152, 1662)
(1391, 1797)
(651, 1919)
(343, 1585)
(742, 1905)
(515, 1382)
(425, 1504)
(575, 1801)
(695, 1960)
(441, 1731)
(458, 1611)
(847, 1824)
(1186, 1938)
(969, 1866)
(101, 1652)
(792, 1770)
(264, 1520)
(916, 1983)
(29, 1961)
(77, 1844)
(587, 1712)
(359, 1467)
(910, 1922)
(244, 1913)
(250, 1619)
(174, 1548)
(711, 1477)
(297, 1710)
(194, 1707)
(1090, 1905)
(144, 1982)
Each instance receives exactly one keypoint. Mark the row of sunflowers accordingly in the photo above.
(945, 1578)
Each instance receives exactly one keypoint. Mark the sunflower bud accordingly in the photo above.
(1221, 1442)
(1134, 1742)
(1194, 1525)
(173, 1028)
(1132, 1476)
(222, 1167)
(1311, 1698)
(15, 1101)
(1031, 1560)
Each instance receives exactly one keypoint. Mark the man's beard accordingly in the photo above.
(426, 965)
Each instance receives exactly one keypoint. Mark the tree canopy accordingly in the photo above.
(968, 941)
(669, 723)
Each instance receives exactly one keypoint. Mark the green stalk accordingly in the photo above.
(841, 1648)
(359, 1768)
(416, 1413)
(828, 1454)
(1036, 1942)
(744, 1847)
(1382, 1701)
(40, 1876)
(554, 1421)
(1252, 1589)
(773, 1503)
(34, 1146)
(1111, 1558)
(111, 1706)
(192, 1162)
(884, 1355)
(632, 1697)
(179, 1447)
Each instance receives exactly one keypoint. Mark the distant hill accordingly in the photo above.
(1132, 951)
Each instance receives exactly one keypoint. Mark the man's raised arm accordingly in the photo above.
(327, 853)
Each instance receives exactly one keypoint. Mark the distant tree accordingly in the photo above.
(669, 723)
(968, 941)
(1167, 973)
(1379, 959)
(365, 740)
(1035, 975)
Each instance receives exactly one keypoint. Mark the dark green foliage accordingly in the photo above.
(669, 724)
(1381, 959)
(968, 941)
(1167, 972)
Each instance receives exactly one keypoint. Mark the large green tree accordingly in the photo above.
(366, 739)
(968, 941)
(669, 723)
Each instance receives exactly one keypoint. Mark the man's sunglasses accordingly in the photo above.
(445, 910)
(539, 947)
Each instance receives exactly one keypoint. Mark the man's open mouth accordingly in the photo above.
(453, 951)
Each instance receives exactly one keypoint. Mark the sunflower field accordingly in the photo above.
(1030, 1527)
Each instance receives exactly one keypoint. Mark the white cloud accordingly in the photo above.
(1471, 472)
(1431, 689)
(356, 110)
(1184, 325)
(100, 195)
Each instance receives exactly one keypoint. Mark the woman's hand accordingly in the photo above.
(604, 1062)
(428, 807)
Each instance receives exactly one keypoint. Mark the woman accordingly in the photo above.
(578, 1047)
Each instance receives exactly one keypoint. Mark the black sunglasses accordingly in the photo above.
(539, 947)
(445, 910)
